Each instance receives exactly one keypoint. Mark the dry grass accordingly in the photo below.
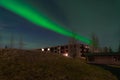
(33, 65)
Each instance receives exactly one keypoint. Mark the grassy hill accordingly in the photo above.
(33, 65)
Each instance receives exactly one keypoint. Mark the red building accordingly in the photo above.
(103, 58)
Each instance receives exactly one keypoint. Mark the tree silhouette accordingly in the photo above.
(73, 48)
(95, 43)
(106, 49)
(110, 49)
(119, 47)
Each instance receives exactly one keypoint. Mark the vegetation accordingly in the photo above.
(106, 50)
(119, 48)
(95, 43)
(110, 49)
(73, 47)
(114, 69)
(33, 65)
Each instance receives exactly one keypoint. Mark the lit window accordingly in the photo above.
(48, 49)
(66, 54)
(42, 49)
(86, 47)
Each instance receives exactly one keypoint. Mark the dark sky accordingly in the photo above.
(84, 17)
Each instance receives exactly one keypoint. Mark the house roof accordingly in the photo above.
(103, 54)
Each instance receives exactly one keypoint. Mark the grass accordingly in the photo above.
(114, 69)
(33, 65)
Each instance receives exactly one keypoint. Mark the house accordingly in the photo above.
(65, 50)
(103, 58)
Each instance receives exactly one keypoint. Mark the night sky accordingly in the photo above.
(84, 17)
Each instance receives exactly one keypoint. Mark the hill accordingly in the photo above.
(33, 65)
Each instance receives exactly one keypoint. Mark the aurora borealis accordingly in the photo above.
(37, 18)
(81, 17)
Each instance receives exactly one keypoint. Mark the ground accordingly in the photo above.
(34, 65)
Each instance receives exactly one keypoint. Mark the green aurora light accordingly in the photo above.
(30, 13)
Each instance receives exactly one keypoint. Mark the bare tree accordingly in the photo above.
(119, 47)
(95, 43)
(74, 49)
(106, 50)
(110, 49)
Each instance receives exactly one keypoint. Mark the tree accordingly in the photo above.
(95, 43)
(73, 47)
(119, 48)
(106, 49)
(110, 49)
(6, 47)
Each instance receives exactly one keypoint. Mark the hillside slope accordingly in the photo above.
(32, 65)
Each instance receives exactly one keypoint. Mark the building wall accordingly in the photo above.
(104, 60)
(66, 49)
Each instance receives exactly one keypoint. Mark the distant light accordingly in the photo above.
(48, 49)
(66, 54)
(42, 49)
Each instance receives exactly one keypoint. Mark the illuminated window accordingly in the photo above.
(66, 54)
(48, 49)
(42, 49)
